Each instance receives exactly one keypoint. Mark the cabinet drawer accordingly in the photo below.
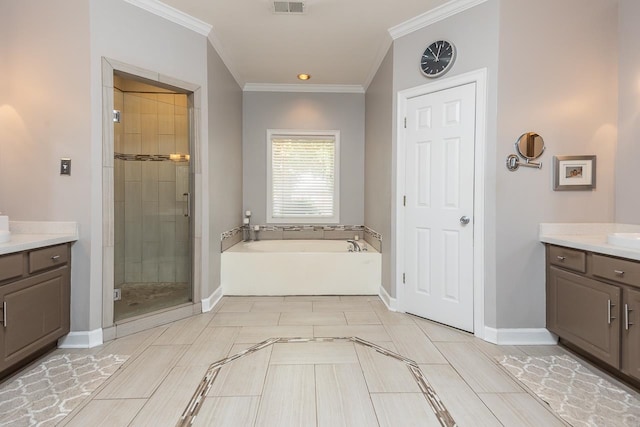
(615, 269)
(568, 258)
(10, 266)
(48, 257)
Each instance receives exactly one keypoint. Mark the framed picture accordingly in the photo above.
(574, 173)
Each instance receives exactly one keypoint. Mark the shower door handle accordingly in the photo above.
(188, 196)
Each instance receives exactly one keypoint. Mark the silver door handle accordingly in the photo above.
(609, 317)
(188, 196)
(626, 317)
(464, 220)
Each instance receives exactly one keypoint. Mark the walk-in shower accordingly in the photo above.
(152, 244)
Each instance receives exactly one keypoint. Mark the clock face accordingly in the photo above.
(437, 58)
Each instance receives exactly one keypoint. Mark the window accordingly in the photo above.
(302, 176)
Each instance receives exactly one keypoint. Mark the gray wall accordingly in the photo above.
(225, 159)
(552, 83)
(311, 111)
(45, 114)
(377, 157)
(628, 152)
(475, 34)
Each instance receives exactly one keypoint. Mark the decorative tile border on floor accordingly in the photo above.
(191, 411)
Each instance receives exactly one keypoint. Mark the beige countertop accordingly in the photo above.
(27, 235)
(589, 237)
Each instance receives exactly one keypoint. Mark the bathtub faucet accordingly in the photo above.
(356, 246)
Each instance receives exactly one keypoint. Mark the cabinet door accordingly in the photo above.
(36, 314)
(631, 333)
(585, 312)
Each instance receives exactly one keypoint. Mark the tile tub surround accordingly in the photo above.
(27, 235)
(589, 237)
(333, 384)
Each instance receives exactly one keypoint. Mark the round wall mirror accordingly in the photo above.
(530, 146)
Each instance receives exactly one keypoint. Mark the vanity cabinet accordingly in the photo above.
(593, 302)
(35, 303)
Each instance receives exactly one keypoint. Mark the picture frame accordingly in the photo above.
(574, 173)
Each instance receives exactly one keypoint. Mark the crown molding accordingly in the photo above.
(318, 88)
(172, 14)
(431, 17)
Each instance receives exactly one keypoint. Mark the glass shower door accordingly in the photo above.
(152, 211)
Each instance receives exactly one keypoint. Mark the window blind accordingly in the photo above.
(303, 176)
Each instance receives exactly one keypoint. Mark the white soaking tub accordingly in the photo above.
(300, 267)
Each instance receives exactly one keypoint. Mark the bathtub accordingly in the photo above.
(300, 267)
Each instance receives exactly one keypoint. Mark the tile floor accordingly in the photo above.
(309, 384)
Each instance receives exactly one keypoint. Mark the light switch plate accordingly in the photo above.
(65, 166)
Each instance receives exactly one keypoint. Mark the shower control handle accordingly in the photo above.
(188, 196)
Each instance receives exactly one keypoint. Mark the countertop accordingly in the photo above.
(27, 235)
(589, 237)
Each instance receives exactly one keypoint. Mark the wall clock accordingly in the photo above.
(437, 58)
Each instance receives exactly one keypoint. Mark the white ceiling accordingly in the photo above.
(338, 42)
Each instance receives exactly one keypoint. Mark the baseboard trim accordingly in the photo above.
(81, 339)
(391, 303)
(520, 336)
(212, 300)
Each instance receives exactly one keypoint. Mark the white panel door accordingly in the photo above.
(440, 140)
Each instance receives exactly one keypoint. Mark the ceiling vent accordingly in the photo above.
(288, 7)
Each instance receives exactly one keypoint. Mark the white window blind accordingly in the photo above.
(303, 178)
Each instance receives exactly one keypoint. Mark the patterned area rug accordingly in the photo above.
(577, 395)
(48, 392)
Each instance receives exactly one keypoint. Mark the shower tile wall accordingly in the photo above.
(154, 240)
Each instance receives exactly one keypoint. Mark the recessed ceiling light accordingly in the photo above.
(304, 76)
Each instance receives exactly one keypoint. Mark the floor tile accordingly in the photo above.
(493, 350)
(438, 332)
(342, 306)
(543, 350)
(412, 343)
(362, 318)
(312, 298)
(171, 398)
(463, 404)
(310, 353)
(133, 344)
(140, 378)
(384, 374)
(232, 306)
(256, 334)
(289, 397)
(212, 345)
(403, 409)
(342, 397)
(255, 298)
(373, 333)
(392, 318)
(227, 411)
(282, 307)
(312, 319)
(359, 298)
(107, 413)
(520, 409)
(245, 319)
(184, 331)
(480, 372)
(244, 376)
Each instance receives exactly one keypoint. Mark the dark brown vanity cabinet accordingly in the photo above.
(35, 303)
(593, 302)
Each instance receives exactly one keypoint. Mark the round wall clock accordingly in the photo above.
(437, 58)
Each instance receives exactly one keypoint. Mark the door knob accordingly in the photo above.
(464, 220)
